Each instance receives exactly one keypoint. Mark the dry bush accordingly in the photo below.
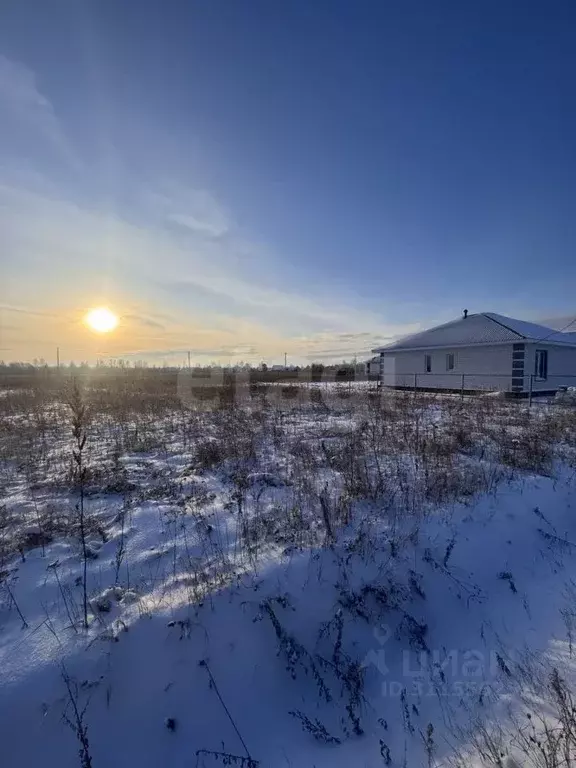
(542, 735)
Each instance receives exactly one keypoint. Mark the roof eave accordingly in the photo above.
(443, 346)
(524, 340)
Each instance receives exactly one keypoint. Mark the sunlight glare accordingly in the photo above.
(101, 320)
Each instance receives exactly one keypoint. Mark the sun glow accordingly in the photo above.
(101, 320)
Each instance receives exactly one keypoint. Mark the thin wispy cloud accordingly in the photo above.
(193, 209)
(23, 104)
(25, 311)
(142, 320)
(267, 220)
(88, 256)
(170, 260)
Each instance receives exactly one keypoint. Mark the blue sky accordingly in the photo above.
(244, 178)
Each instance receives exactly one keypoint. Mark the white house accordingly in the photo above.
(484, 351)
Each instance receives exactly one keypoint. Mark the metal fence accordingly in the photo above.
(528, 386)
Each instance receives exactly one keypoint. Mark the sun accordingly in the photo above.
(101, 320)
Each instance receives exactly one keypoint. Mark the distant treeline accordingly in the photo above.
(18, 374)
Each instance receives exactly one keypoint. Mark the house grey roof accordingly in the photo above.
(482, 328)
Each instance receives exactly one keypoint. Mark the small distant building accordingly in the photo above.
(484, 351)
(373, 367)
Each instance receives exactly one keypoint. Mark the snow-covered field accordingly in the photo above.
(368, 581)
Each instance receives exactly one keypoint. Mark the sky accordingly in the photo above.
(245, 178)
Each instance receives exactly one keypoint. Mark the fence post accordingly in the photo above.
(462, 389)
(530, 391)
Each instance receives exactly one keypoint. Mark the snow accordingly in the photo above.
(480, 328)
(183, 660)
(529, 330)
(566, 395)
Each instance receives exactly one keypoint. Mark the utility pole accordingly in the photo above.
(189, 366)
(285, 360)
(57, 358)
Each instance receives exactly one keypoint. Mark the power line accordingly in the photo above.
(553, 333)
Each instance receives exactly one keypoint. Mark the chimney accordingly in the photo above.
(465, 314)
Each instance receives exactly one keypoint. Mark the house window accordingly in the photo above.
(428, 363)
(450, 361)
(541, 364)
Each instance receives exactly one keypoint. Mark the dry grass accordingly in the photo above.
(402, 452)
(296, 466)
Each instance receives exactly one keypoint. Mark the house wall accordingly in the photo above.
(486, 367)
(561, 366)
